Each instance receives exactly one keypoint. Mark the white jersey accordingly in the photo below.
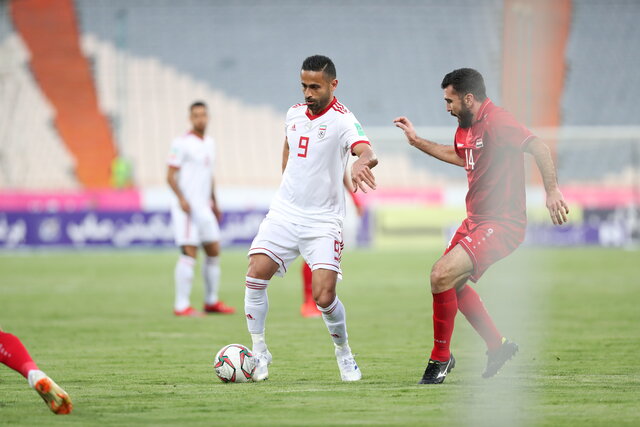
(194, 157)
(312, 188)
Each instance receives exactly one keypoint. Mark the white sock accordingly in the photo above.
(336, 320)
(211, 274)
(184, 278)
(258, 343)
(35, 375)
(256, 306)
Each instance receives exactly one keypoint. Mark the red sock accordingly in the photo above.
(470, 304)
(15, 355)
(445, 307)
(306, 280)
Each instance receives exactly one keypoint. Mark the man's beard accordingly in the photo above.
(318, 105)
(465, 119)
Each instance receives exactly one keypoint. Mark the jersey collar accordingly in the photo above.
(484, 109)
(191, 132)
(321, 113)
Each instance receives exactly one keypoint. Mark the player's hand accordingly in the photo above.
(360, 175)
(184, 205)
(217, 212)
(406, 125)
(558, 209)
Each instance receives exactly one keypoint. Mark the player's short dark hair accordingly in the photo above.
(464, 81)
(197, 104)
(320, 63)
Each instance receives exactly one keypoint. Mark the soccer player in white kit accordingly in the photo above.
(306, 215)
(195, 214)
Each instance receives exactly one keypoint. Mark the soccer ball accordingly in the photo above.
(234, 363)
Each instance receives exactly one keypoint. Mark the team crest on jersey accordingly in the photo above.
(479, 143)
(293, 127)
(322, 131)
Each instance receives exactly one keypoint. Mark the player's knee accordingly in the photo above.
(440, 279)
(324, 298)
(260, 268)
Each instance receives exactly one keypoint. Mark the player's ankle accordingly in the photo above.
(34, 376)
(259, 344)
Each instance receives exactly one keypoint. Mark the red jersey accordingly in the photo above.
(493, 150)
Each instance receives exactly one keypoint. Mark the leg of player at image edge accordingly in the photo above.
(211, 276)
(499, 349)
(256, 306)
(15, 356)
(308, 308)
(335, 318)
(183, 274)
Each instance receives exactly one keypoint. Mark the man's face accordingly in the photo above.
(456, 107)
(199, 119)
(317, 89)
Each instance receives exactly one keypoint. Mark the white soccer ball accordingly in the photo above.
(234, 363)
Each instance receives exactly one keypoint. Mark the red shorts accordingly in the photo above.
(486, 243)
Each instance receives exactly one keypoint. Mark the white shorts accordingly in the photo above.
(283, 241)
(196, 228)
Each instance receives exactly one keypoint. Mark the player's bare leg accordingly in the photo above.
(308, 308)
(211, 276)
(14, 354)
(256, 305)
(334, 316)
(449, 272)
(183, 275)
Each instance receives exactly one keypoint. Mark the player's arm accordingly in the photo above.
(214, 202)
(558, 208)
(446, 153)
(285, 154)
(361, 169)
(172, 180)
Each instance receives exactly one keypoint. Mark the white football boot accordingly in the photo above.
(263, 360)
(349, 370)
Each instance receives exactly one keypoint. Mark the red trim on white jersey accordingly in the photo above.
(340, 108)
(302, 104)
(321, 113)
(359, 142)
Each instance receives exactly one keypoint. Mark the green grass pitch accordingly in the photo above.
(100, 324)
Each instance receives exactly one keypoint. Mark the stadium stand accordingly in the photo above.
(50, 32)
(32, 155)
(150, 63)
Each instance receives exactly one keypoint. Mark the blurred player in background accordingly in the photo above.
(306, 216)
(490, 144)
(14, 354)
(195, 214)
(308, 307)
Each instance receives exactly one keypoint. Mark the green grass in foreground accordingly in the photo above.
(100, 324)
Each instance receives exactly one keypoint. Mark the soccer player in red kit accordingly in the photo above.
(14, 355)
(490, 144)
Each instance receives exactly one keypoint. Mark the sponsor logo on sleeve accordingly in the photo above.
(359, 129)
